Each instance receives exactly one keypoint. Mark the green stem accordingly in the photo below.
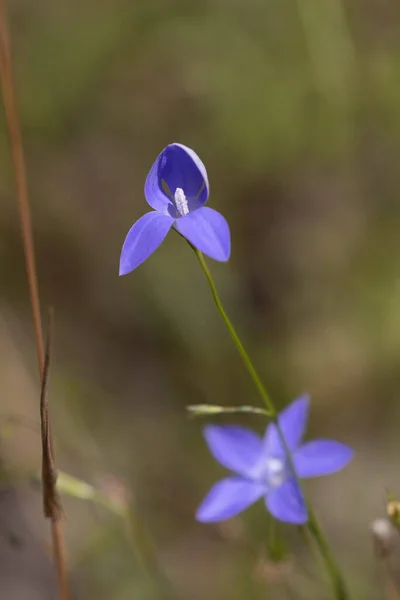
(313, 525)
(248, 364)
(136, 533)
(331, 565)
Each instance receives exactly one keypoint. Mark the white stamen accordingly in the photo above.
(276, 472)
(181, 202)
(270, 470)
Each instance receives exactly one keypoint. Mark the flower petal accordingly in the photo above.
(208, 231)
(286, 503)
(321, 457)
(228, 498)
(204, 191)
(236, 448)
(143, 238)
(180, 167)
(292, 422)
(154, 193)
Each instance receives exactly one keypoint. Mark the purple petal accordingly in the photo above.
(154, 193)
(208, 231)
(321, 457)
(179, 167)
(286, 503)
(205, 192)
(143, 238)
(236, 448)
(228, 498)
(292, 421)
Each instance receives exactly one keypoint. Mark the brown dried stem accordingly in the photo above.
(17, 155)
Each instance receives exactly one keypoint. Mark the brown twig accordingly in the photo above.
(17, 154)
(51, 499)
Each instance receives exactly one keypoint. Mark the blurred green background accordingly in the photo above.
(294, 106)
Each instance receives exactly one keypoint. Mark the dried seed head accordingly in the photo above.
(384, 537)
(117, 493)
(270, 571)
(393, 511)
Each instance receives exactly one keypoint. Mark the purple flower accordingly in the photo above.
(261, 468)
(176, 188)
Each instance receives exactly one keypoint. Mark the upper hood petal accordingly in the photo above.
(177, 166)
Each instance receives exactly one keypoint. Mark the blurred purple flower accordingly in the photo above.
(261, 467)
(176, 187)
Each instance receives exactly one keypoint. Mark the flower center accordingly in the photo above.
(275, 472)
(270, 471)
(181, 202)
